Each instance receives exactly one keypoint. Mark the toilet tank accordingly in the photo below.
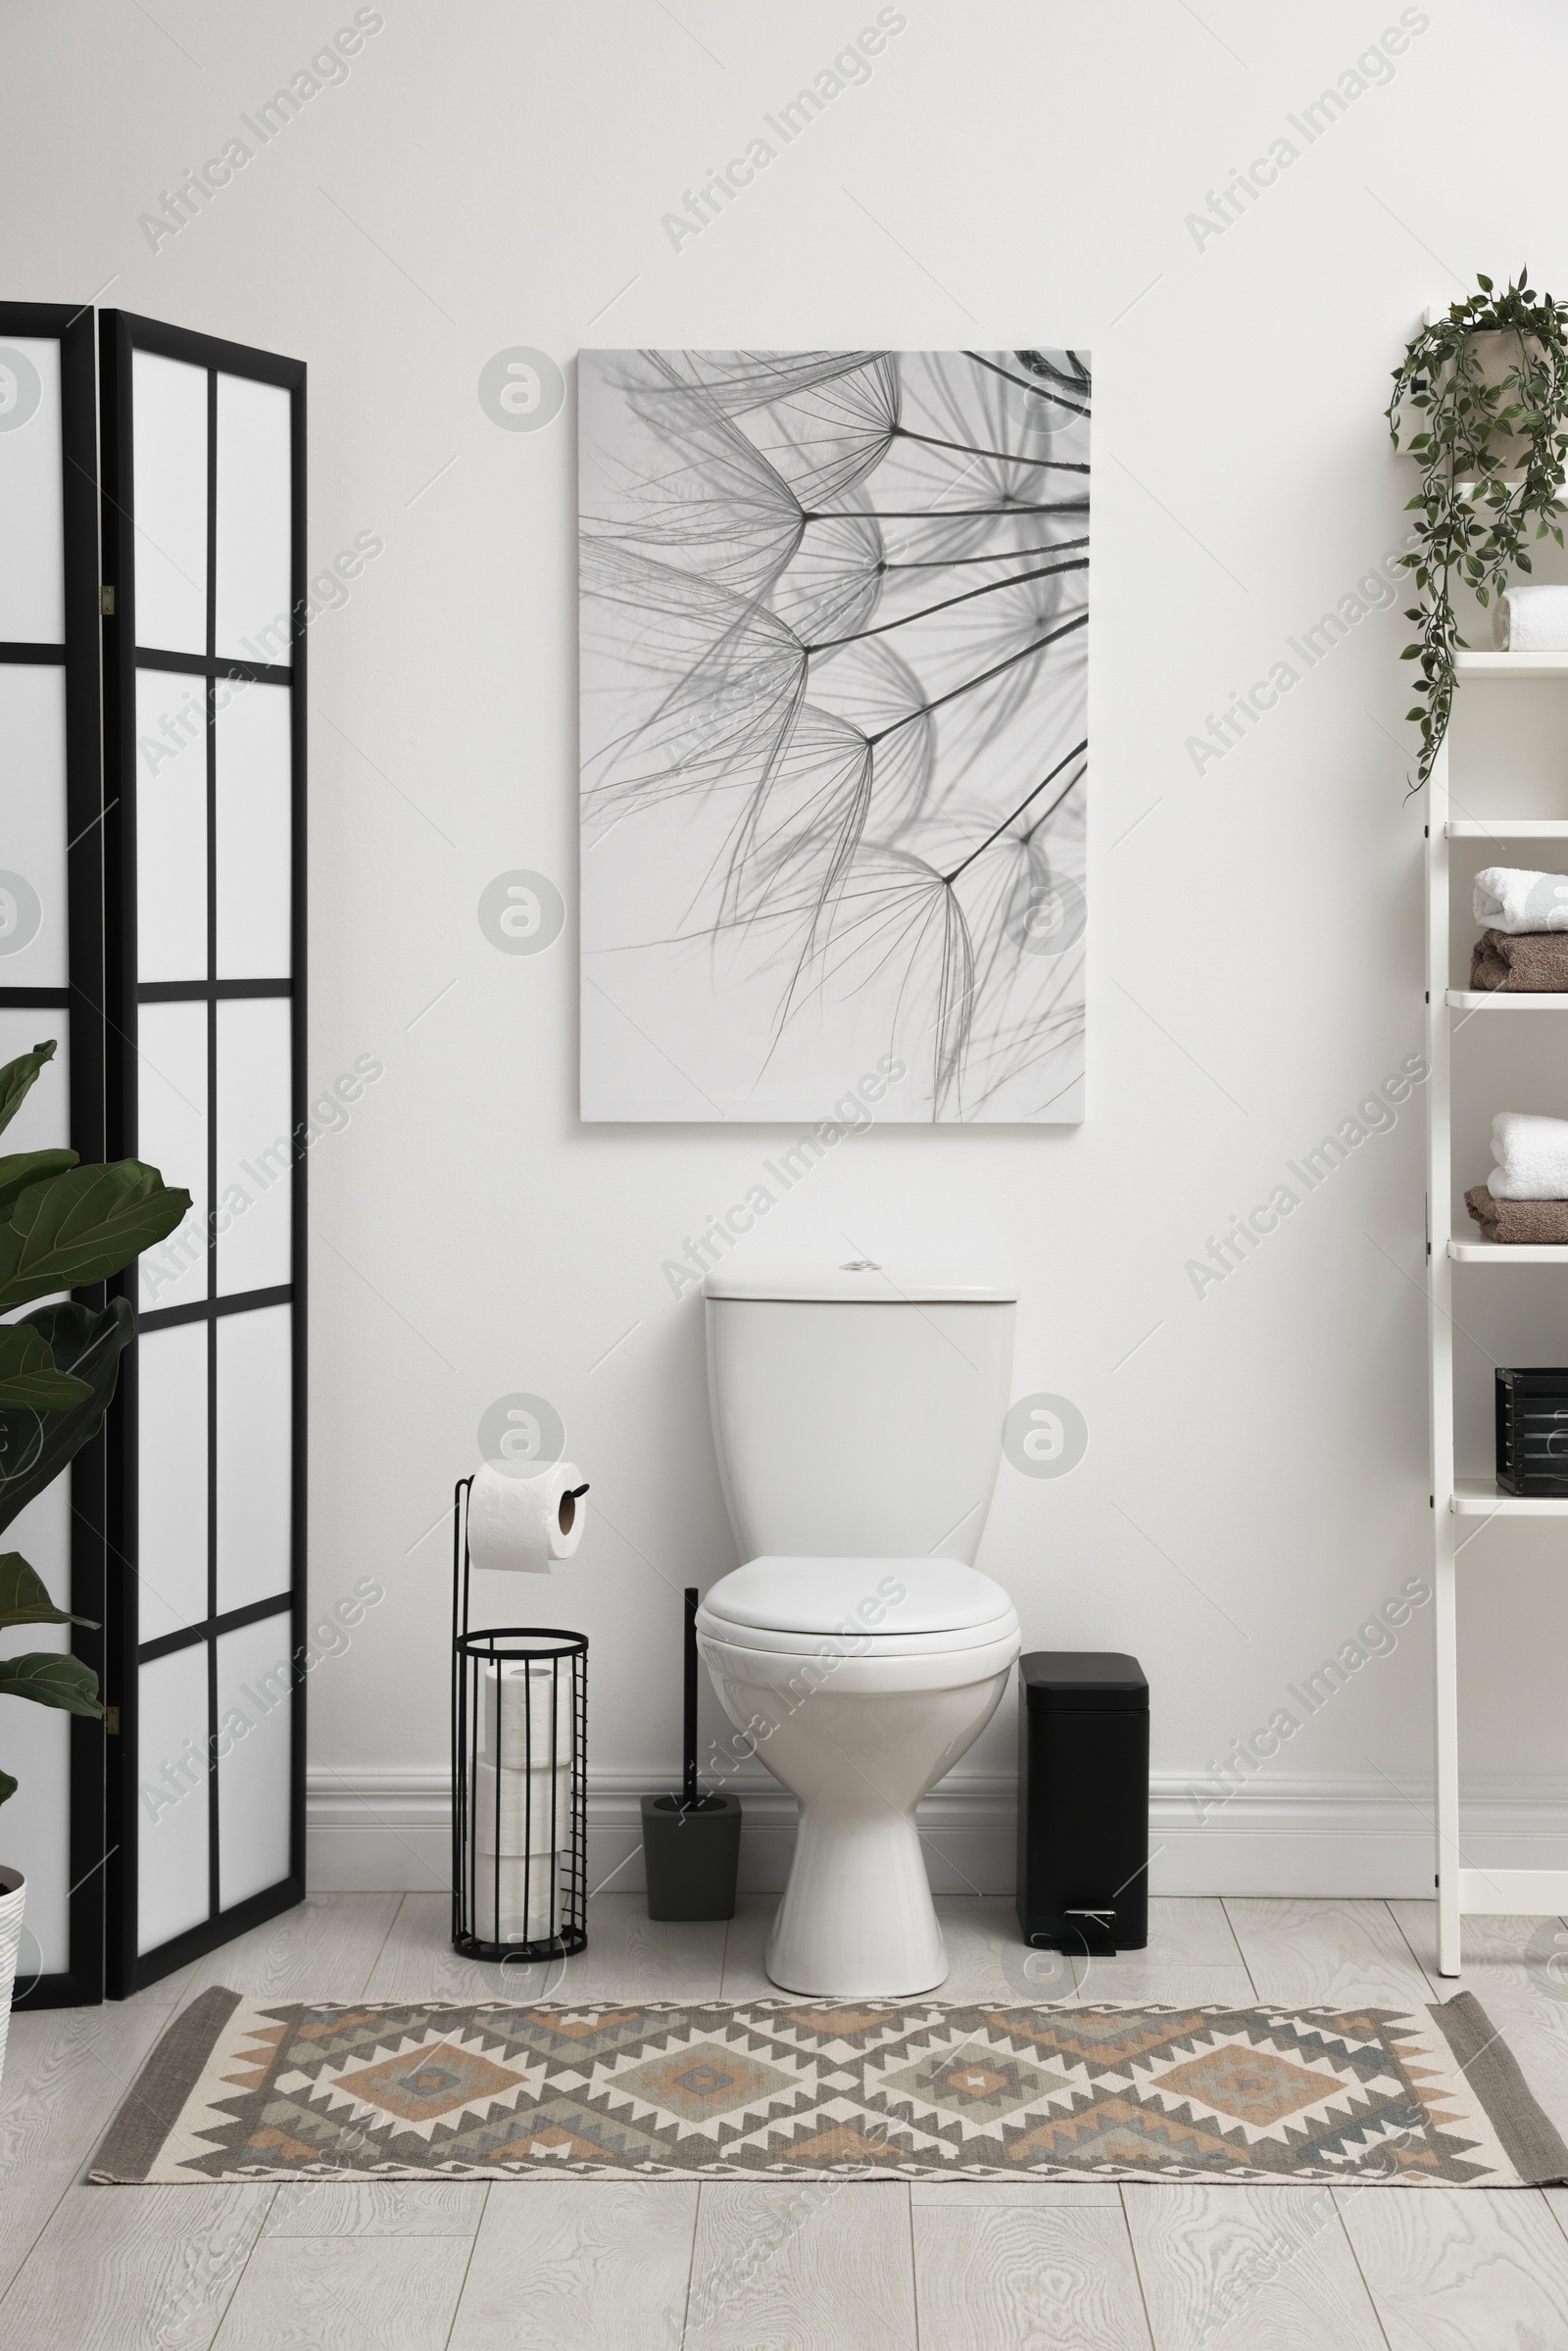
(856, 1412)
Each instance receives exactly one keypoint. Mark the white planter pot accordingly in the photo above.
(13, 1889)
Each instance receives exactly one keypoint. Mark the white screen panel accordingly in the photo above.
(171, 827)
(35, 1747)
(254, 836)
(254, 520)
(254, 1148)
(168, 442)
(171, 1136)
(32, 577)
(172, 1479)
(43, 1122)
(255, 1706)
(33, 836)
(172, 1795)
(255, 1455)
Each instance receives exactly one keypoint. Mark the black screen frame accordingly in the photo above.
(121, 334)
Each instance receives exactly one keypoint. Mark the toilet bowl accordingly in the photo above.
(857, 1419)
(859, 1682)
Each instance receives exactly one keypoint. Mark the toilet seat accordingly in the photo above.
(846, 1669)
(873, 1607)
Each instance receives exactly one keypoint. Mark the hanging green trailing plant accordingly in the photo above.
(1487, 388)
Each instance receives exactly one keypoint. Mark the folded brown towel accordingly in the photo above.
(1532, 963)
(1542, 1221)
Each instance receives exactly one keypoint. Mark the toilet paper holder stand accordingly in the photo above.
(520, 1798)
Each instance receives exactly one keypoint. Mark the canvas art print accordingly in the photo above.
(834, 619)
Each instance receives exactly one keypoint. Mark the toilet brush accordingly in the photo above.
(691, 1843)
(689, 1722)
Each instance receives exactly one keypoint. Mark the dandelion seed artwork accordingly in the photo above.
(834, 614)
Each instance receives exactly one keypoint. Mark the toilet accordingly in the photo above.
(858, 1419)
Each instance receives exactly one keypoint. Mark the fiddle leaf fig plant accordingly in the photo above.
(62, 1227)
(1481, 400)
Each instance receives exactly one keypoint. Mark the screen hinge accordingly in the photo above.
(112, 1722)
(106, 604)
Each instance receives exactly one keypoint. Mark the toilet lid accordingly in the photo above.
(878, 1598)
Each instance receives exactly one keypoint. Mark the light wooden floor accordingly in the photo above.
(611, 2266)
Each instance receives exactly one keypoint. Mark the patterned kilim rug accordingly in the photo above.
(262, 2090)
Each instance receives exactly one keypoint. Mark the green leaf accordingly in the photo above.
(16, 1077)
(29, 1375)
(82, 1226)
(51, 1681)
(7, 1787)
(88, 1346)
(21, 1168)
(25, 1596)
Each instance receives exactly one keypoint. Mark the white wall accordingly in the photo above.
(490, 177)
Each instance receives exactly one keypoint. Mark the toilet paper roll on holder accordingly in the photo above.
(524, 1520)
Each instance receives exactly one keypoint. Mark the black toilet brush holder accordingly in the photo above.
(691, 1841)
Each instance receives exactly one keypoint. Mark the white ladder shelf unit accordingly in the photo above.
(1463, 1889)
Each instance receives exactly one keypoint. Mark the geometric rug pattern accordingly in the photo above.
(255, 2089)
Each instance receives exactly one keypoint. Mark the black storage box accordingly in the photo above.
(1532, 1431)
(1083, 1800)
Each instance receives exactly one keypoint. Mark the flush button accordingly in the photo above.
(859, 1265)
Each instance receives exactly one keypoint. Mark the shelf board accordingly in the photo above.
(1515, 1893)
(1511, 664)
(1477, 1498)
(1500, 999)
(1505, 1252)
(1510, 828)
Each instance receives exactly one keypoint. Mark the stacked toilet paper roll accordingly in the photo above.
(522, 1798)
(521, 1814)
(525, 1523)
(522, 1729)
(519, 1854)
(516, 1900)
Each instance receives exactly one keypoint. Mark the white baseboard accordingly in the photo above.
(373, 1830)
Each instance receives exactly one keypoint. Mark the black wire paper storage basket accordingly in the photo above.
(519, 1795)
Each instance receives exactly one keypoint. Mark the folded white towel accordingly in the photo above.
(1515, 900)
(1532, 1156)
(1531, 619)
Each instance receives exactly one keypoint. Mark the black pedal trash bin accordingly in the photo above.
(1083, 1800)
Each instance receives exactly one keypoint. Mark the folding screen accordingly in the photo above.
(51, 985)
(203, 465)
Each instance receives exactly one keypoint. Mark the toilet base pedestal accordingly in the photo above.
(856, 1920)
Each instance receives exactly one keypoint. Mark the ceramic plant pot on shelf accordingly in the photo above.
(12, 1888)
